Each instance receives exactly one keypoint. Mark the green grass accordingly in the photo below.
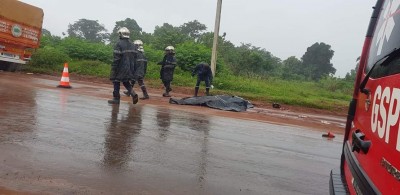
(328, 95)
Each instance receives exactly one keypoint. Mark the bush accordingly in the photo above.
(336, 85)
(189, 54)
(89, 67)
(48, 57)
(83, 50)
(152, 54)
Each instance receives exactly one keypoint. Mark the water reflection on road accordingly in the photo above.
(53, 140)
(120, 136)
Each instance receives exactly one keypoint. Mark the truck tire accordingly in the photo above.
(4, 66)
(9, 66)
(14, 67)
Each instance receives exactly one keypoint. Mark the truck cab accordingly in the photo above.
(370, 161)
(20, 31)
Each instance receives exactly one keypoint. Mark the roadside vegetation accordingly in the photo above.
(246, 70)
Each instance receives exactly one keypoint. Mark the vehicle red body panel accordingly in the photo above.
(371, 146)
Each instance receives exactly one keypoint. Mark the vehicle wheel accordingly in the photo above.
(4, 66)
(14, 67)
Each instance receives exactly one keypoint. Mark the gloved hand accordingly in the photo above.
(212, 86)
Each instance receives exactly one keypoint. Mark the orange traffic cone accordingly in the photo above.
(329, 135)
(64, 83)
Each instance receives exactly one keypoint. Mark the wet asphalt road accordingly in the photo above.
(55, 141)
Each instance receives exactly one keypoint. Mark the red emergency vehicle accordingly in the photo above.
(370, 161)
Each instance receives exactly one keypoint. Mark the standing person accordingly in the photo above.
(167, 69)
(140, 68)
(122, 68)
(204, 73)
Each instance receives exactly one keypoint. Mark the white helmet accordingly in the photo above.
(170, 48)
(141, 49)
(123, 32)
(138, 42)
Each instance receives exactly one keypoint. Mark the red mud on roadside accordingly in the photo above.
(4, 191)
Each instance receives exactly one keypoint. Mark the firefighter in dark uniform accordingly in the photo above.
(167, 69)
(122, 68)
(204, 73)
(140, 69)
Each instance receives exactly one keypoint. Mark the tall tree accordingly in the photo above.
(351, 76)
(168, 35)
(45, 32)
(49, 40)
(193, 29)
(89, 30)
(207, 39)
(317, 61)
(132, 25)
(254, 62)
(292, 68)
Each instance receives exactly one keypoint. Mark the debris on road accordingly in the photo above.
(276, 105)
(328, 135)
(325, 122)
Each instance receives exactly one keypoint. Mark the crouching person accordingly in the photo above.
(204, 73)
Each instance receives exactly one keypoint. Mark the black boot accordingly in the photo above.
(168, 87)
(207, 91)
(166, 94)
(145, 94)
(196, 91)
(114, 101)
(135, 97)
(132, 83)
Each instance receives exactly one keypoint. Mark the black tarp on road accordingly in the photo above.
(222, 102)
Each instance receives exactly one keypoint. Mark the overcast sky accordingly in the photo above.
(283, 27)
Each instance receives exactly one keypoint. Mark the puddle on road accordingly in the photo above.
(86, 142)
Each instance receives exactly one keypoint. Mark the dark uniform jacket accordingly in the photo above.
(140, 66)
(167, 67)
(122, 68)
(203, 72)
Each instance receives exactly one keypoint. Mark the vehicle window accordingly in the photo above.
(382, 44)
(386, 69)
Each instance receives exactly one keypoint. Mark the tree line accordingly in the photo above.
(90, 40)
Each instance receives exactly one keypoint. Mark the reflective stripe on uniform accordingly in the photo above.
(125, 51)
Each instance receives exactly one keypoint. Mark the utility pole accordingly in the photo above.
(215, 42)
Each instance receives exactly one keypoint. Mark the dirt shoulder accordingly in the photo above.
(340, 112)
(320, 120)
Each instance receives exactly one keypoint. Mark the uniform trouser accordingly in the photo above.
(142, 86)
(207, 81)
(140, 82)
(208, 84)
(126, 84)
(167, 85)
